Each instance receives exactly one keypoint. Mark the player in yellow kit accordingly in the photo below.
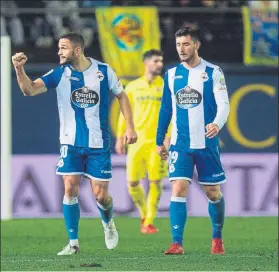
(145, 94)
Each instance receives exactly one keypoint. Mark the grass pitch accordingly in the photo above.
(32, 244)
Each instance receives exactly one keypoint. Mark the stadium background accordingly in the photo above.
(249, 141)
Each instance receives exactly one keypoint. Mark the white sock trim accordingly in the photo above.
(178, 199)
(101, 206)
(70, 200)
(105, 208)
(74, 242)
(216, 201)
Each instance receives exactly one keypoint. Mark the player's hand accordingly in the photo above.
(19, 59)
(119, 146)
(211, 130)
(163, 152)
(130, 136)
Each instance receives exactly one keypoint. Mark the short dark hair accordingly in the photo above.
(188, 31)
(75, 38)
(153, 52)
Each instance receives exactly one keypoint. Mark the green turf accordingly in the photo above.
(251, 244)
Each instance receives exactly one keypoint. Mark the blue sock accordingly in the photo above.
(178, 217)
(71, 216)
(216, 211)
(106, 211)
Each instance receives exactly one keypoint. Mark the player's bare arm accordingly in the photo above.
(130, 136)
(27, 86)
(167, 142)
(120, 146)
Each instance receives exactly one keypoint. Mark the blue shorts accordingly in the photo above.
(207, 162)
(94, 163)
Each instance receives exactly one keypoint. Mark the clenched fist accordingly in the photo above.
(19, 59)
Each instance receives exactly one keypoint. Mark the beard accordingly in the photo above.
(69, 60)
(187, 58)
(156, 72)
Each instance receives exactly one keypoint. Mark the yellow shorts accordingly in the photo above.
(142, 159)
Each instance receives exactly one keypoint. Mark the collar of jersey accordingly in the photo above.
(154, 82)
(85, 71)
(201, 61)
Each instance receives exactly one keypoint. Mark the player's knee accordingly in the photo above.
(71, 190)
(133, 183)
(71, 185)
(180, 188)
(213, 193)
(214, 196)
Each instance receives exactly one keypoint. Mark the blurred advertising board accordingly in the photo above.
(251, 188)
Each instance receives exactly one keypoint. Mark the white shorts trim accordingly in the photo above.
(212, 183)
(185, 178)
(89, 176)
(69, 174)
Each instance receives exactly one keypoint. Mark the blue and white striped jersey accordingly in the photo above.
(193, 98)
(83, 103)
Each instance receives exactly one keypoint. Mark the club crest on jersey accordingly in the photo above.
(100, 75)
(204, 76)
(187, 98)
(85, 97)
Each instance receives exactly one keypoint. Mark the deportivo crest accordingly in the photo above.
(204, 76)
(100, 75)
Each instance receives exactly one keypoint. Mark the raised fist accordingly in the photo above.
(19, 59)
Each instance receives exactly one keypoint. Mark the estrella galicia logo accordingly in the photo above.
(188, 98)
(128, 31)
(84, 97)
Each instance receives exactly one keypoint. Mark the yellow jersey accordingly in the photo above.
(145, 99)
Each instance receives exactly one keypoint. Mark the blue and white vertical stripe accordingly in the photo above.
(86, 126)
(189, 120)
